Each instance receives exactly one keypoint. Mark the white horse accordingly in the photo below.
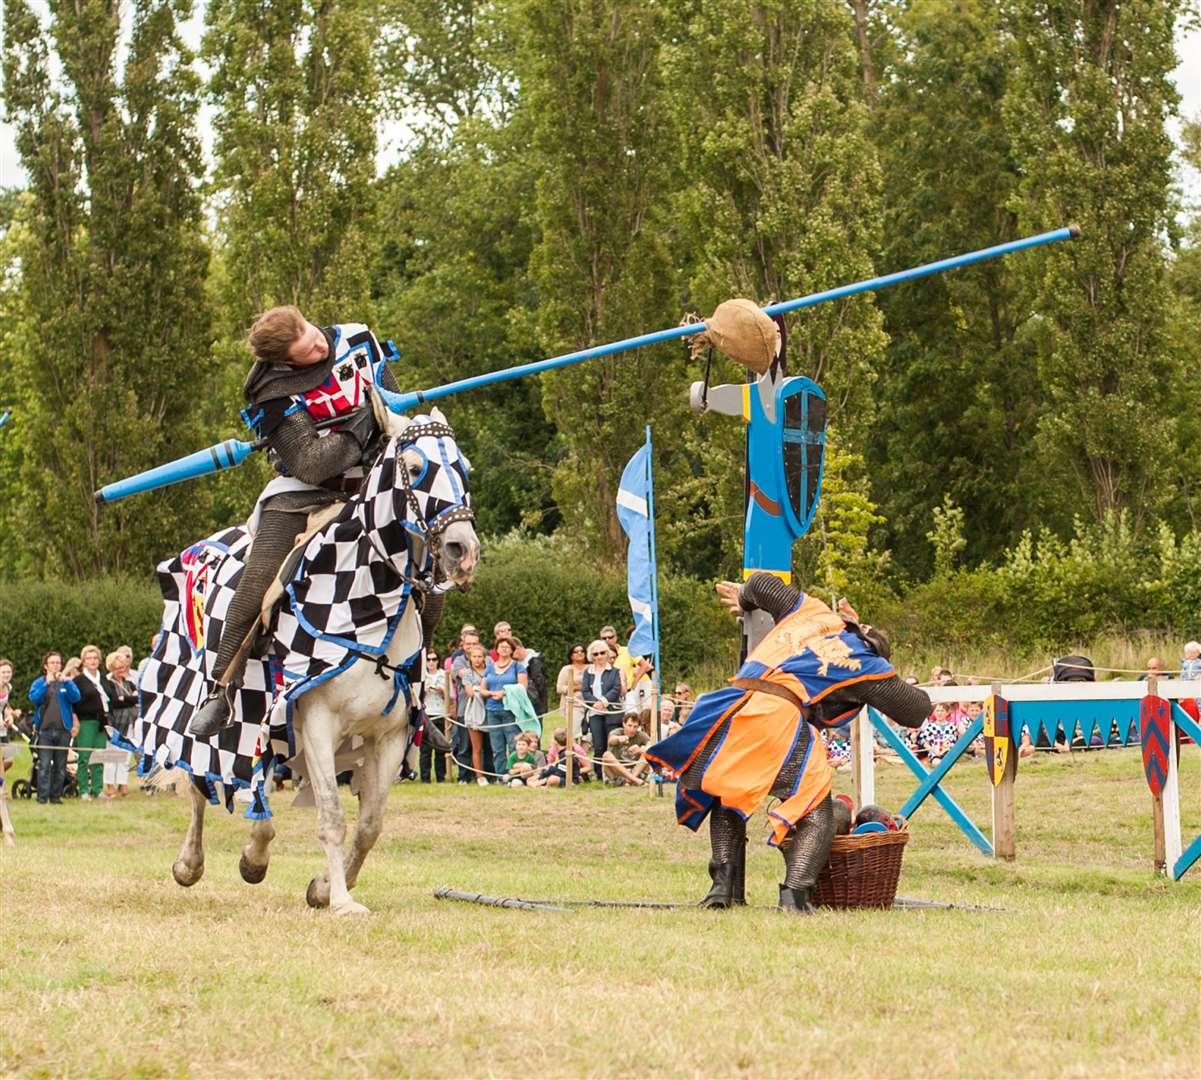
(429, 513)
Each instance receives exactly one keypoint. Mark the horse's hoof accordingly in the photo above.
(251, 874)
(351, 907)
(317, 895)
(186, 875)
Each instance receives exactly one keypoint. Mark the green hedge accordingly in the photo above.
(37, 616)
(552, 598)
(1047, 594)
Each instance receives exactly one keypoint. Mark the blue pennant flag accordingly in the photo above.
(636, 511)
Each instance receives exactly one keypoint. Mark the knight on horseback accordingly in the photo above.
(301, 374)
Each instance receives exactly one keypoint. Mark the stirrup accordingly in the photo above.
(437, 739)
(215, 714)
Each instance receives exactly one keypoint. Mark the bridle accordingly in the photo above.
(430, 531)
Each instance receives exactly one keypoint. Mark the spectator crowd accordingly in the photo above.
(75, 703)
(493, 701)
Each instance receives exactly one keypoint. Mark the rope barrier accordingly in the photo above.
(1051, 667)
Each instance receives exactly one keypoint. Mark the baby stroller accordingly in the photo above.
(26, 789)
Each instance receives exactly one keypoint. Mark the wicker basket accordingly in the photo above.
(862, 871)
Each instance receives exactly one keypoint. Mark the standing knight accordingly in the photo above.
(758, 737)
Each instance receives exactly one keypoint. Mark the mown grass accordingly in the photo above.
(110, 969)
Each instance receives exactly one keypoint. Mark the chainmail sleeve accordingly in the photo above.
(308, 456)
(906, 705)
(768, 593)
(387, 380)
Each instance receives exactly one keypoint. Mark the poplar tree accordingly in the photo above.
(111, 331)
(295, 88)
(959, 395)
(1087, 107)
(591, 88)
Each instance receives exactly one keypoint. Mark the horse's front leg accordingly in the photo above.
(253, 863)
(375, 781)
(318, 734)
(189, 867)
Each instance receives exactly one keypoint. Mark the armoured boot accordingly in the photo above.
(727, 867)
(721, 893)
(796, 901)
(806, 851)
(216, 713)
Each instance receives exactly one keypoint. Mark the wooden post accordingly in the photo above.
(1173, 845)
(863, 760)
(1161, 858)
(569, 720)
(1003, 840)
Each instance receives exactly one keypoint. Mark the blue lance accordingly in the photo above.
(5, 416)
(232, 452)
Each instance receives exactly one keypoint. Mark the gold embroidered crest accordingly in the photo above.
(831, 649)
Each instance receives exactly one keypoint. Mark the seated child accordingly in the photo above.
(938, 734)
(838, 747)
(1190, 665)
(523, 762)
(553, 774)
(623, 762)
(970, 711)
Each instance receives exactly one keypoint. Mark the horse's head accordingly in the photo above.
(431, 477)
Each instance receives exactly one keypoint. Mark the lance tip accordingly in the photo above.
(1074, 231)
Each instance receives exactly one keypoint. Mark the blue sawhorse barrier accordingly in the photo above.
(931, 779)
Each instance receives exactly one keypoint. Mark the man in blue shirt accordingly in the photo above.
(55, 724)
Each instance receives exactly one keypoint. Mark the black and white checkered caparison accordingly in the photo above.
(345, 600)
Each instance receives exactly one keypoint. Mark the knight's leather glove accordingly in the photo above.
(361, 426)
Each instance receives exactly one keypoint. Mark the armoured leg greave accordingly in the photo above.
(276, 535)
(806, 852)
(727, 867)
(431, 615)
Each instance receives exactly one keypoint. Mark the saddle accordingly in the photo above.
(318, 519)
(258, 641)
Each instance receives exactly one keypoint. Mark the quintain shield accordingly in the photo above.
(1154, 732)
(998, 739)
(801, 422)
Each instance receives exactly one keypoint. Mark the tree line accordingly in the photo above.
(571, 173)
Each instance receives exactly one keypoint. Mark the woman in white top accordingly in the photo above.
(433, 702)
(124, 710)
(570, 685)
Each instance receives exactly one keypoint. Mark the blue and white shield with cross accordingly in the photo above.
(785, 457)
(801, 419)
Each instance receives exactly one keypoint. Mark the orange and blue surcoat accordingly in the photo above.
(737, 740)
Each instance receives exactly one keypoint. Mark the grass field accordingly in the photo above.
(110, 969)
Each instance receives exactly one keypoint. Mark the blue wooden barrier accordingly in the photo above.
(931, 779)
(1096, 710)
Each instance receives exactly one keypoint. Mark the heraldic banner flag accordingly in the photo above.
(636, 511)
